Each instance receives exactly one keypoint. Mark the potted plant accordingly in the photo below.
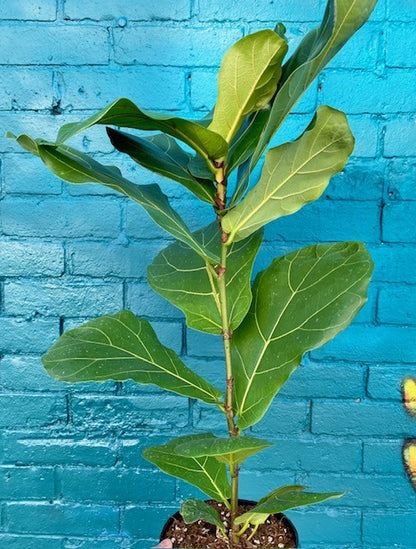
(298, 303)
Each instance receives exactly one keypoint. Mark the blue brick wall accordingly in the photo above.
(71, 471)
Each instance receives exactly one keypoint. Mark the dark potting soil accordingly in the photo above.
(276, 532)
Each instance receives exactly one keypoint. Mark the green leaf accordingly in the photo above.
(124, 113)
(76, 167)
(247, 80)
(188, 281)
(195, 509)
(226, 450)
(299, 303)
(206, 473)
(281, 500)
(121, 347)
(294, 174)
(341, 20)
(161, 154)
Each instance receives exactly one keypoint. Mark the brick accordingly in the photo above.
(173, 45)
(34, 89)
(400, 33)
(55, 45)
(86, 88)
(383, 456)
(29, 411)
(130, 412)
(366, 418)
(143, 301)
(114, 543)
(401, 179)
(126, 260)
(392, 92)
(366, 131)
(28, 542)
(327, 525)
(394, 528)
(20, 335)
(360, 180)
(326, 380)
(360, 52)
(22, 448)
(115, 485)
(394, 230)
(26, 483)
(99, 218)
(132, 449)
(384, 382)
(397, 305)
(203, 345)
(394, 263)
(401, 12)
(400, 136)
(369, 344)
(146, 10)
(368, 491)
(31, 258)
(26, 373)
(24, 174)
(329, 220)
(75, 299)
(62, 519)
(271, 11)
(307, 453)
(146, 522)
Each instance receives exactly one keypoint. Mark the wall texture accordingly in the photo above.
(71, 473)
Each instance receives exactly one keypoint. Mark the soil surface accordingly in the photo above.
(276, 532)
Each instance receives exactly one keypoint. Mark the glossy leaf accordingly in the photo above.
(283, 499)
(77, 167)
(294, 174)
(185, 279)
(121, 347)
(226, 450)
(161, 154)
(193, 510)
(299, 303)
(409, 395)
(124, 113)
(247, 80)
(342, 19)
(206, 473)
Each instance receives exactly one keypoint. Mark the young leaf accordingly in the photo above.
(124, 113)
(77, 167)
(195, 509)
(121, 347)
(226, 450)
(185, 279)
(161, 154)
(288, 497)
(206, 473)
(341, 20)
(247, 80)
(299, 303)
(294, 174)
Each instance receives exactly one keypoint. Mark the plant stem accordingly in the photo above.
(227, 335)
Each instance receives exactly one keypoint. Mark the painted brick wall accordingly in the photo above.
(71, 473)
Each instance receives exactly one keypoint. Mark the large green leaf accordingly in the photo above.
(206, 473)
(341, 20)
(294, 174)
(247, 80)
(299, 303)
(189, 282)
(226, 450)
(283, 499)
(196, 509)
(126, 114)
(77, 167)
(161, 154)
(121, 347)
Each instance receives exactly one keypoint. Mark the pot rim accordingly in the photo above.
(177, 515)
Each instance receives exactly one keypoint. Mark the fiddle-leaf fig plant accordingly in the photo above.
(298, 303)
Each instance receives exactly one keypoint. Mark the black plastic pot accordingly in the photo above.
(177, 516)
